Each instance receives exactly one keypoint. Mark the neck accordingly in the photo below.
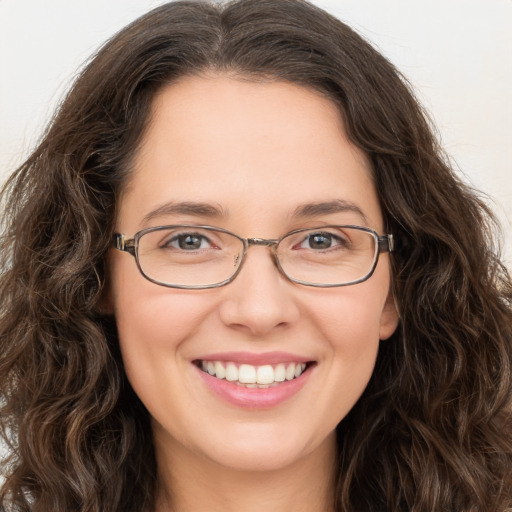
(189, 483)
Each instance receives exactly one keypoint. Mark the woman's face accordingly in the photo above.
(248, 157)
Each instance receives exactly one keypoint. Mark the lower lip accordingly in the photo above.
(255, 398)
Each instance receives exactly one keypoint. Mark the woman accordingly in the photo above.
(239, 273)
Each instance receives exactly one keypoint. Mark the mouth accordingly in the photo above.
(251, 376)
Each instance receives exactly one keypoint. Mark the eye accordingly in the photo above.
(188, 242)
(320, 241)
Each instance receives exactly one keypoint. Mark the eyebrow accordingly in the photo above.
(210, 210)
(308, 210)
(197, 209)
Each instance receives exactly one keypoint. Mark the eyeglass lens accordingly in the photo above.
(198, 256)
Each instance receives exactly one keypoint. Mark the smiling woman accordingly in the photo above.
(255, 138)
(235, 278)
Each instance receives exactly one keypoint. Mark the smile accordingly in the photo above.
(250, 376)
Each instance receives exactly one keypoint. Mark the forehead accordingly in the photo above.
(255, 149)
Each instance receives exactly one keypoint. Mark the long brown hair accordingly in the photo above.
(433, 430)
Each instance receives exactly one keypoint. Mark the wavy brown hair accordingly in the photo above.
(433, 430)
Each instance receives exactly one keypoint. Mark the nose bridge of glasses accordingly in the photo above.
(262, 241)
(271, 243)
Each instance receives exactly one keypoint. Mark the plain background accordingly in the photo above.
(456, 53)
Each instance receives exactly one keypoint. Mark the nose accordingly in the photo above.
(260, 299)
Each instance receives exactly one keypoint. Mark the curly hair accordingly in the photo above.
(433, 429)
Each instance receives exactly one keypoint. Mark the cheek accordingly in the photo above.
(153, 322)
(354, 342)
(159, 321)
(349, 321)
(157, 337)
(347, 327)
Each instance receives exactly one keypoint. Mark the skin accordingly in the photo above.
(257, 151)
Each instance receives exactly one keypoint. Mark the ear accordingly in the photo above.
(389, 318)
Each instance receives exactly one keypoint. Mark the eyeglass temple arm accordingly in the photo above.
(386, 243)
(121, 243)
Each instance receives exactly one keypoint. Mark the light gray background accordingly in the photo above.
(456, 53)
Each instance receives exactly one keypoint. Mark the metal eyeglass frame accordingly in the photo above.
(384, 243)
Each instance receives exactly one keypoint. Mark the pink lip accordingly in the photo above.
(255, 359)
(254, 398)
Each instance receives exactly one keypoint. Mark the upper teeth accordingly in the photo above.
(249, 374)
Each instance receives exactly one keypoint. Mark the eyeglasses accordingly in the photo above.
(198, 257)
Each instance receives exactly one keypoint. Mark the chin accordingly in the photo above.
(260, 450)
